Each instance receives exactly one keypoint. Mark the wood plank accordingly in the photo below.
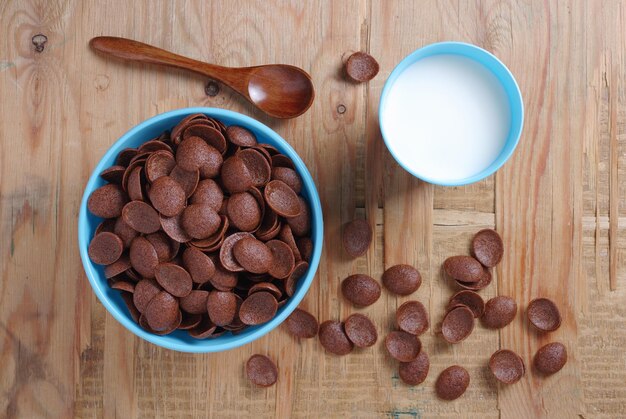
(601, 332)
(44, 309)
(539, 200)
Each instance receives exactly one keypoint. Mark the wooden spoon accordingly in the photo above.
(279, 90)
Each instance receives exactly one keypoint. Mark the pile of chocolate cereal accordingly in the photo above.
(204, 229)
(472, 273)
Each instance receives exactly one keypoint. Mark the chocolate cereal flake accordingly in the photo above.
(141, 217)
(463, 268)
(452, 382)
(302, 324)
(258, 308)
(107, 201)
(457, 324)
(543, 314)
(361, 290)
(105, 248)
(499, 311)
(402, 279)
(403, 346)
(415, 372)
(550, 358)
(412, 317)
(361, 67)
(261, 371)
(167, 196)
(357, 237)
(487, 247)
(360, 330)
(333, 338)
(283, 261)
(506, 366)
(282, 199)
(470, 299)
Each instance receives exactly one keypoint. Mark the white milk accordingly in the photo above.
(446, 118)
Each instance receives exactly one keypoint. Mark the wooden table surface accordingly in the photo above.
(556, 203)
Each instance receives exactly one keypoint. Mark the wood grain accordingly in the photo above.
(613, 169)
(557, 204)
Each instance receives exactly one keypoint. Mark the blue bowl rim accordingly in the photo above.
(440, 48)
(215, 344)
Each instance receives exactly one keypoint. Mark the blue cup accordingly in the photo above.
(111, 299)
(493, 65)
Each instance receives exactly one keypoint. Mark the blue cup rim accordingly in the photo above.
(514, 95)
(208, 345)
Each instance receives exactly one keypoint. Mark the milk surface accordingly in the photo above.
(446, 118)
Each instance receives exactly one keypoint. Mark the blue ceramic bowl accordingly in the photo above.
(491, 63)
(87, 223)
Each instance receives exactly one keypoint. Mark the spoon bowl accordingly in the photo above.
(291, 84)
(279, 90)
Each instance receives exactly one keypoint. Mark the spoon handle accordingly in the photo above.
(129, 49)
